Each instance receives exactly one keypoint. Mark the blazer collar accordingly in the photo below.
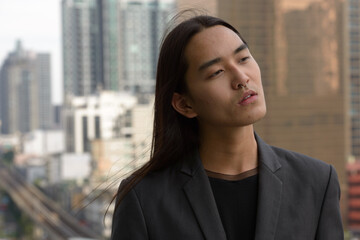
(267, 157)
(269, 192)
(201, 199)
(200, 196)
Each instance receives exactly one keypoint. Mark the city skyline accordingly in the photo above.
(306, 91)
(25, 91)
(37, 25)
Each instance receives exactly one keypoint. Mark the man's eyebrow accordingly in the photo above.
(239, 49)
(209, 63)
(216, 60)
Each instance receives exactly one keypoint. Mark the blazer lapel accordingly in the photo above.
(270, 190)
(200, 196)
(201, 199)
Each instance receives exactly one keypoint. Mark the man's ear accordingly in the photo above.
(181, 105)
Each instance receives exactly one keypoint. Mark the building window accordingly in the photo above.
(97, 127)
(86, 147)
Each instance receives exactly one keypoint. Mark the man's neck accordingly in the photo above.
(229, 152)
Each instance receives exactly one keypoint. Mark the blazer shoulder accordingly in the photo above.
(296, 157)
(156, 184)
(301, 164)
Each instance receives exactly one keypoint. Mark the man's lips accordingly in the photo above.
(248, 97)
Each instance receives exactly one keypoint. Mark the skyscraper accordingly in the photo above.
(353, 26)
(90, 46)
(111, 44)
(142, 25)
(354, 72)
(25, 92)
(300, 48)
(301, 52)
(46, 114)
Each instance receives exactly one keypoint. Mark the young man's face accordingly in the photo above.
(223, 80)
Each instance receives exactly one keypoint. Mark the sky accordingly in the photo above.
(37, 23)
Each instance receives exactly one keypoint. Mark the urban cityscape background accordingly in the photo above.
(73, 124)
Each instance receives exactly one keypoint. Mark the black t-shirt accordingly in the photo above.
(236, 199)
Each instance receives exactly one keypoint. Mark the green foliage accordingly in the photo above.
(24, 225)
(7, 157)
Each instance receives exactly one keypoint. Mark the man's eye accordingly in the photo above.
(244, 59)
(216, 73)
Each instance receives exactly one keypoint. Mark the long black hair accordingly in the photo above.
(173, 135)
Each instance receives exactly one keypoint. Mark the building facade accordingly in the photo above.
(353, 168)
(83, 45)
(114, 128)
(96, 117)
(111, 44)
(46, 109)
(25, 92)
(354, 73)
(353, 178)
(142, 25)
(300, 47)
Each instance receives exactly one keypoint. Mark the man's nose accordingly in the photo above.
(240, 78)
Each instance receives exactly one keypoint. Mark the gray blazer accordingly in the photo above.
(298, 199)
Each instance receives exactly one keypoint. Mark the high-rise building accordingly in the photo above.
(110, 51)
(25, 92)
(306, 87)
(46, 110)
(111, 44)
(300, 47)
(353, 26)
(90, 46)
(354, 73)
(353, 177)
(89, 40)
(141, 28)
(206, 6)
